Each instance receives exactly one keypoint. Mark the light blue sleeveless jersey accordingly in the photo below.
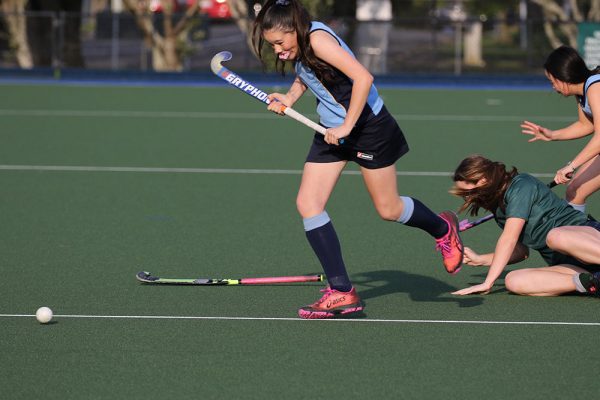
(583, 101)
(330, 108)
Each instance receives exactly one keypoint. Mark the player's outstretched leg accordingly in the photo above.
(443, 228)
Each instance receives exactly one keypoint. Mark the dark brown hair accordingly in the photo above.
(289, 16)
(490, 195)
(565, 64)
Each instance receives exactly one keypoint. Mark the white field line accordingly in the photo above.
(366, 320)
(67, 168)
(259, 115)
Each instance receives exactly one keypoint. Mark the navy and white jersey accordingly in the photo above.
(333, 95)
(583, 101)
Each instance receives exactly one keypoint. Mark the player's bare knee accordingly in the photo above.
(556, 239)
(308, 208)
(387, 212)
(514, 282)
(302, 205)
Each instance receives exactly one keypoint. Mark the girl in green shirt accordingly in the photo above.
(531, 217)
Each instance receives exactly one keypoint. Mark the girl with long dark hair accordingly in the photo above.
(570, 76)
(351, 109)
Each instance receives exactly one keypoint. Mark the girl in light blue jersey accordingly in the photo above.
(570, 76)
(359, 129)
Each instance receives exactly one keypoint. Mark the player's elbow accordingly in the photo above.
(368, 79)
(363, 78)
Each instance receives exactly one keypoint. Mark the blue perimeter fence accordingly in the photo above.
(207, 79)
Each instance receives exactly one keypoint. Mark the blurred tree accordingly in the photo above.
(567, 14)
(13, 12)
(168, 45)
(319, 8)
(503, 15)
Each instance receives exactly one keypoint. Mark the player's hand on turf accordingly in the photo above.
(333, 135)
(277, 100)
(481, 288)
(536, 131)
(473, 259)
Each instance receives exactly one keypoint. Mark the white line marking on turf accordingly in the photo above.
(366, 320)
(134, 114)
(259, 115)
(67, 168)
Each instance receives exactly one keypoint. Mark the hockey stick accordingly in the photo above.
(235, 80)
(147, 277)
(465, 224)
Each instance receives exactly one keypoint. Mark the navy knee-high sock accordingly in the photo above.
(326, 245)
(418, 215)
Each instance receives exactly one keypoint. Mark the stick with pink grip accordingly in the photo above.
(147, 277)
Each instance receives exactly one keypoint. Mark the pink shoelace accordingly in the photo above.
(444, 245)
(327, 292)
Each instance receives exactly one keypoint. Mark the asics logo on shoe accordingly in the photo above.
(333, 302)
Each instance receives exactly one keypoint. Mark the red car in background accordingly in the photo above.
(215, 9)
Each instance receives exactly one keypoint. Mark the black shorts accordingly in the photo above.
(377, 143)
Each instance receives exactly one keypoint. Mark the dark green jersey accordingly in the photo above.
(542, 210)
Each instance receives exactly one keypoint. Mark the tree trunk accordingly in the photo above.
(594, 14)
(16, 23)
(165, 57)
(552, 10)
(501, 28)
(239, 13)
(166, 48)
(473, 56)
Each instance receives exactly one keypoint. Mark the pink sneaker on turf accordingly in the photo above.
(450, 245)
(333, 303)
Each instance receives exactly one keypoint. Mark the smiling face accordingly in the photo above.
(284, 43)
